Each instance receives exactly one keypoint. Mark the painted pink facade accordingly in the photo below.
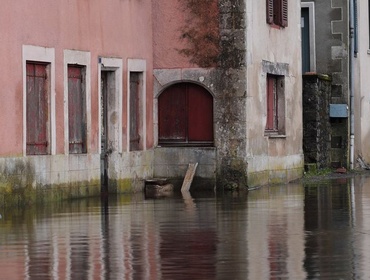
(118, 57)
(119, 29)
(117, 32)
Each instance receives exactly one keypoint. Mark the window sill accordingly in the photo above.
(275, 136)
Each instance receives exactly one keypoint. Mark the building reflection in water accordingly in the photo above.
(280, 232)
(275, 233)
(336, 222)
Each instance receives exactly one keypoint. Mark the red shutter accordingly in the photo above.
(76, 111)
(269, 11)
(172, 114)
(270, 103)
(185, 115)
(37, 109)
(134, 111)
(284, 13)
(200, 114)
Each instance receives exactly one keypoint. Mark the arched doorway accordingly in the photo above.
(185, 116)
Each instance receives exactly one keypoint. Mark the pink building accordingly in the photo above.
(117, 92)
(77, 95)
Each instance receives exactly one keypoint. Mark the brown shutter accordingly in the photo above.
(76, 111)
(37, 109)
(270, 103)
(200, 114)
(284, 13)
(134, 111)
(172, 110)
(269, 11)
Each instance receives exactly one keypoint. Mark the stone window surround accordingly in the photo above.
(276, 69)
(46, 55)
(115, 65)
(80, 58)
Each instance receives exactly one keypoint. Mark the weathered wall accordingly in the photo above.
(230, 118)
(362, 85)
(219, 66)
(316, 121)
(173, 162)
(276, 51)
(332, 58)
(119, 29)
(245, 156)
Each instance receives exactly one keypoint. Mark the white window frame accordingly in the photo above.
(46, 55)
(80, 58)
(115, 65)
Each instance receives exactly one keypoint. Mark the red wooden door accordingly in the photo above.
(172, 119)
(76, 111)
(200, 114)
(37, 109)
(185, 115)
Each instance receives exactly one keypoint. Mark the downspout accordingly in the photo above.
(351, 81)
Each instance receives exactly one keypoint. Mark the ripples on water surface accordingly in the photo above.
(280, 232)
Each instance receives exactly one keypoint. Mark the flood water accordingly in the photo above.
(292, 231)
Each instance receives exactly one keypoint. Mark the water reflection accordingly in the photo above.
(317, 231)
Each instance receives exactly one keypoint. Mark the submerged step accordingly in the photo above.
(156, 181)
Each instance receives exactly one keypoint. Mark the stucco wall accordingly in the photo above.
(238, 84)
(118, 29)
(273, 159)
(362, 85)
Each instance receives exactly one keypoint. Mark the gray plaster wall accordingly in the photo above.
(332, 58)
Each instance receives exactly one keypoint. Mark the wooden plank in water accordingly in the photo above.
(189, 176)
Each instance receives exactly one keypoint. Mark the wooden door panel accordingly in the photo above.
(76, 111)
(172, 114)
(200, 114)
(37, 110)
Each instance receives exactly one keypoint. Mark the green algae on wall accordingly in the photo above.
(15, 195)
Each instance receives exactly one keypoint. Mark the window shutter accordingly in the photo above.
(269, 11)
(284, 13)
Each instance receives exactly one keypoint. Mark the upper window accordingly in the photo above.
(275, 123)
(37, 106)
(277, 12)
(185, 115)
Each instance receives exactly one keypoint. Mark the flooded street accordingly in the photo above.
(317, 231)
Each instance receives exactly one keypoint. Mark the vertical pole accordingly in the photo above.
(351, 81)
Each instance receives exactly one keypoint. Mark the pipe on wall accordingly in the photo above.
(351, 79)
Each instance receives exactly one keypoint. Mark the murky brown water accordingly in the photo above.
(281, 232)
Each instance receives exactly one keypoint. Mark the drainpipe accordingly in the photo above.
(351, 81)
